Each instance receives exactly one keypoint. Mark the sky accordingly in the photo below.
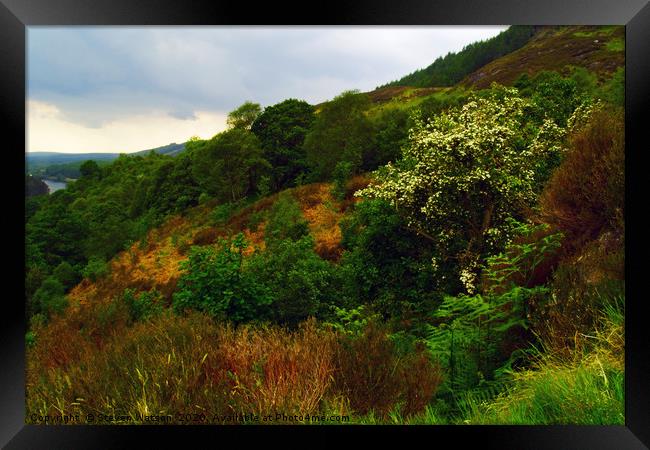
(125, 89)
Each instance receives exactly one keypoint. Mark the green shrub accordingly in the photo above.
(143, 306)
(50, 298)
(342, 173)
(222, 213)
(298, 281)
(95, 269)
(213, 281)
(286, 221)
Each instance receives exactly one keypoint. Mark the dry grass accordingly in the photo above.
(93, 362)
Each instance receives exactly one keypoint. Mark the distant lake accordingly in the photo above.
(55, 185)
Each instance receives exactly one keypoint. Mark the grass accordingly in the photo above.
(93, 362)
(585, 390)
(615, 45)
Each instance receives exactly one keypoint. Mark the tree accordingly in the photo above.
(299, 282)
(465, 173)
(49, 298)
(391, 135)
(385, 264)
(285, 222)
(213, 281)
(89, 169)
(281, 129)
(555, 97)
(244, 116)
(229, 165)
(341, 132)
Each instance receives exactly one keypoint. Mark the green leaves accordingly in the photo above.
(464, 174)
(214, 282)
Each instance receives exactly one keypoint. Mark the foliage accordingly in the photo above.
(66, 274)
(585, 388)
(586, 195)
(385, 264)
(453, 67)
(229, 165)
(244, 116)
(474, 339)
(213, 281)
(281, 129)
(299, 283)
(391, 134)
(448, 187)
(352, 321)
(285, 221)
(49, 298)
(613, 91)
(434, 104)
(342, 173)
(341, 132)
(533, 245)
(143, 306)
(554, 97)
(95, 269)
(223, 212)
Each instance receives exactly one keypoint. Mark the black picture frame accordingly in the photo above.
(16, 15)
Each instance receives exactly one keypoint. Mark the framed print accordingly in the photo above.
(371, 218)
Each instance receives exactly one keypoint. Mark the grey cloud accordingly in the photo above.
(97, 74)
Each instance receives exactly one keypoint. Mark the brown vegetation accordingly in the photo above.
(193, 365)
(586, 195)
(555, 48)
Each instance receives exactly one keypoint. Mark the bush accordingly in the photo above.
(299, 282)
(143, 306)
(587, 388)
(213, 281)
(95, 269)
(342, 172)
(222, 213)
(385, 264)
(204, 198)
(285, 221)
(586, 194)
(375, 378)
(66, 275)
(49, 299)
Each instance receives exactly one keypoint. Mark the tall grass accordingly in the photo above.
(587, 389)
(173, 365)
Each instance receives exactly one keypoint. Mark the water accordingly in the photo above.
(55, 185)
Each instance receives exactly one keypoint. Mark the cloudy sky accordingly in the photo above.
(124, 89)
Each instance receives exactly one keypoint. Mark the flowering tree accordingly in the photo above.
(466, 172)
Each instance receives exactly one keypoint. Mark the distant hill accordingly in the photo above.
(66, 165)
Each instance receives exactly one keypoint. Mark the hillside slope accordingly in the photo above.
(154, 263)
(600, 49)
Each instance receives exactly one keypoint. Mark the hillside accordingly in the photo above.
(446, 254)
(600, 49)
(38, 162)
(450, 69)
(154, 262)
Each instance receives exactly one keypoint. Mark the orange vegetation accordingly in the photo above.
(154, 263)
(96, 363)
